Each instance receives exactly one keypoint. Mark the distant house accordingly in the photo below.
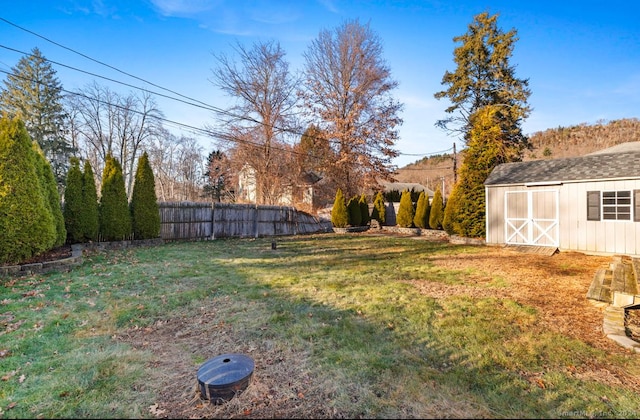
(388, 187)
(300, 192)
(589, 203)
(247, 184)
(397, 188)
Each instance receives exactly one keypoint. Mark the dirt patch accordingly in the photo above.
(555, 285)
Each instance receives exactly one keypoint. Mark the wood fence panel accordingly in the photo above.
(195, 220)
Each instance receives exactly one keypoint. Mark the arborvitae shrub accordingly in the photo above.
(364, 210)
(145, 215)
(436, 215)
(73, 203)
(49, 187)
(353, 209)
(406, 212)
(392, 196)
(90, 213)
(339, 215)
(420, 219)
(450, 219)
(115, 219)
(27, 225)
(379, 211)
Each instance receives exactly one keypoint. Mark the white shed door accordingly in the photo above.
(531, 217)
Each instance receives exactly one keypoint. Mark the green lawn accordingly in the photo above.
(334, 322)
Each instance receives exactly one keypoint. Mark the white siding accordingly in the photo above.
(576, 233)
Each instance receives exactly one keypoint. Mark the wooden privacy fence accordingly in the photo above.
(194, 220)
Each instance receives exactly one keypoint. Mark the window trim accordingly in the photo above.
(598, 212)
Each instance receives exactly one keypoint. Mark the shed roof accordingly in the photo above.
(603, 165)
(409, 186)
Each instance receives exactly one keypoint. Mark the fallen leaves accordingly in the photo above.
(156, 411)
(9, 375)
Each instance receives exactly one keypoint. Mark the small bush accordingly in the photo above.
(339, 215)
(73, 203)
(364, 210)
(90, 213)
(421, 218)
(115, 220)
(436, 215)
(49, 187)
(353, 209)
(379, 211)
(451, 212)
(406, 212)
(145, 215)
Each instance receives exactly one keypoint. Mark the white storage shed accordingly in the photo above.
(589, 204)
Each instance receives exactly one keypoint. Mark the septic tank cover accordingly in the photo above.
(224, 376)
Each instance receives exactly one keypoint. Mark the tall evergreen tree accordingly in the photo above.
(484, 76)
(218, 176)
(90, 214)
(73, 203)
(49, 188)
(27, 226)
(485, 152)
(33, 93)
(145, 215)
(436, 215)
(406, 212)
(115, 219)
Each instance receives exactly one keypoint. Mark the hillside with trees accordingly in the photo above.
(560, 142)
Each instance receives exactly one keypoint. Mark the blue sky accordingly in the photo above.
(582, 58)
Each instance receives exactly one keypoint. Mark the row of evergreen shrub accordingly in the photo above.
(355, 212)
(424, 215)
(32, 220)
(112, 218)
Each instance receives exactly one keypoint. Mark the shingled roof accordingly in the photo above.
(602, 165)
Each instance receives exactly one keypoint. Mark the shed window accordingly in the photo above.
(636, 205)
(616, 205)
(593, 205)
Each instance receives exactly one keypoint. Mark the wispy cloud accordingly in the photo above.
(96, 7)
(329, 5)
(257, 17)
(184, 7)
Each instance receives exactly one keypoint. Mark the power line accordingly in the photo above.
(195, 102)
(210, 133)
(97, 61)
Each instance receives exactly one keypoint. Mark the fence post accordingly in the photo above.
(255, 221)
(213, 218)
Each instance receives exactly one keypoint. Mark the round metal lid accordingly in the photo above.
(224, 375)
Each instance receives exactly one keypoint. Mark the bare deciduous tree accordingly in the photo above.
(105, 122)
(348, 95)
(258, 125)
(178, 167)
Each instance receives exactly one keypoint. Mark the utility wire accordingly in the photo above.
(211, 133)
(99, 62)
(195, 103)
